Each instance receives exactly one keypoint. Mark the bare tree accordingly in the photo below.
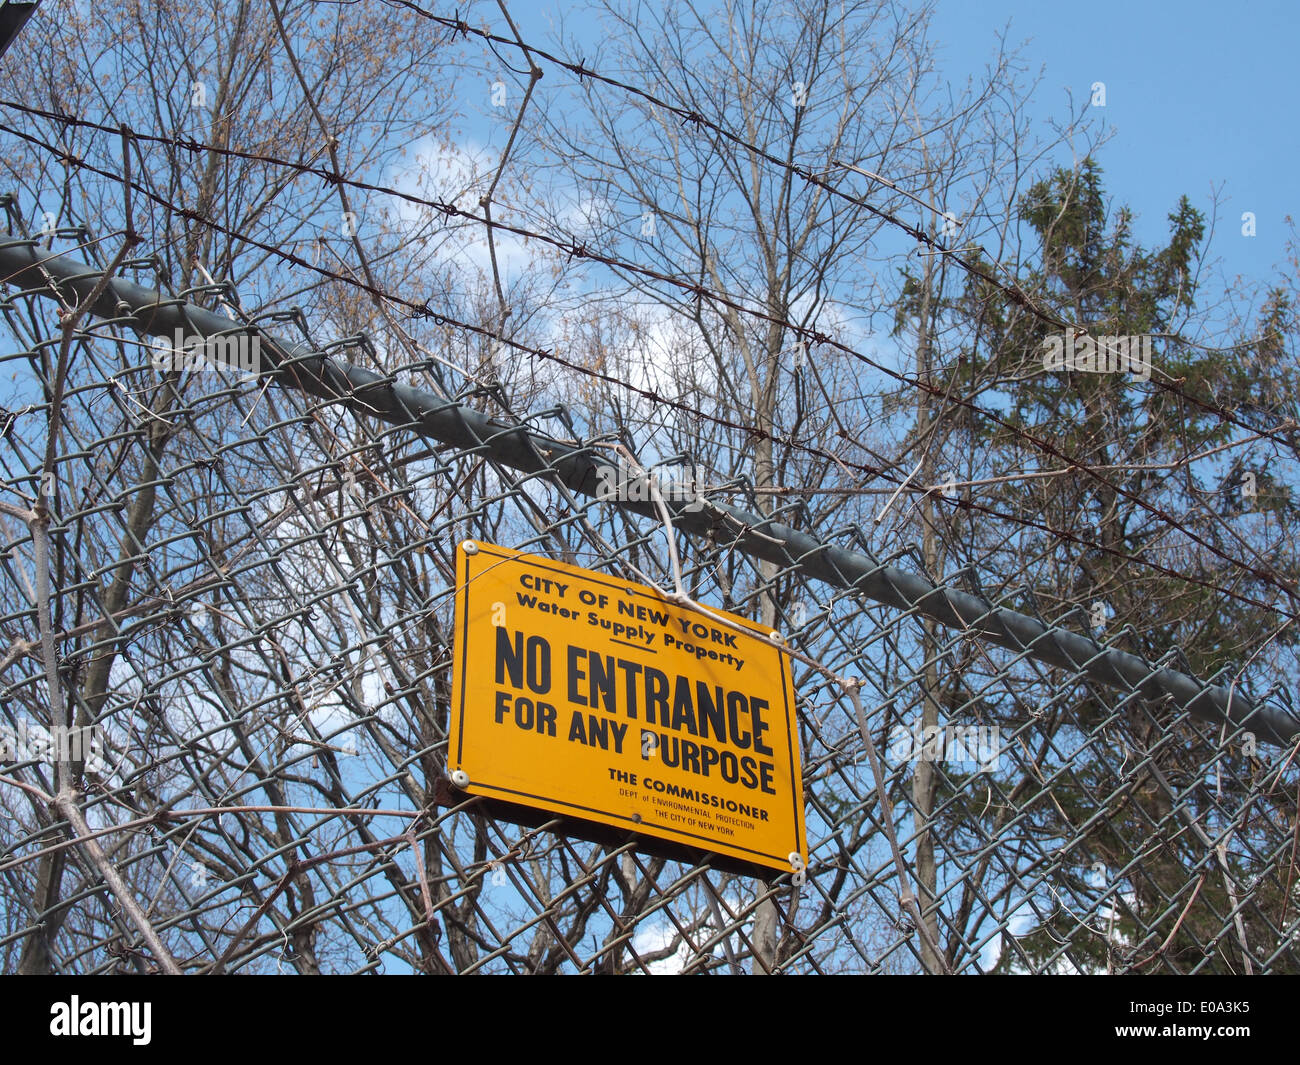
(194, 131)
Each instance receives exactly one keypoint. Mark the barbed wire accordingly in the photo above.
(422, 309)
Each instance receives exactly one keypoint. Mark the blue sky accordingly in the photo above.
(1200, 95)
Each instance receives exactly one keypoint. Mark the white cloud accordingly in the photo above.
(457, 175)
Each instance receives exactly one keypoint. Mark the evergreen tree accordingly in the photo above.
(1152, 524)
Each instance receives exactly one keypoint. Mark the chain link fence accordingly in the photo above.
(245, 663)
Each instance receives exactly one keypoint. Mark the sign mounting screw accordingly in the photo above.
(471, 548)
(460, 778)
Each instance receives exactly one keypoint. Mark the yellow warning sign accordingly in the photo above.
(600, 699)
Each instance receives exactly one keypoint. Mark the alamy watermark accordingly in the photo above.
(122, 1019)
(192, 351)
(979, 746)
(28, 742)
(626, 483)
(1108, 354)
